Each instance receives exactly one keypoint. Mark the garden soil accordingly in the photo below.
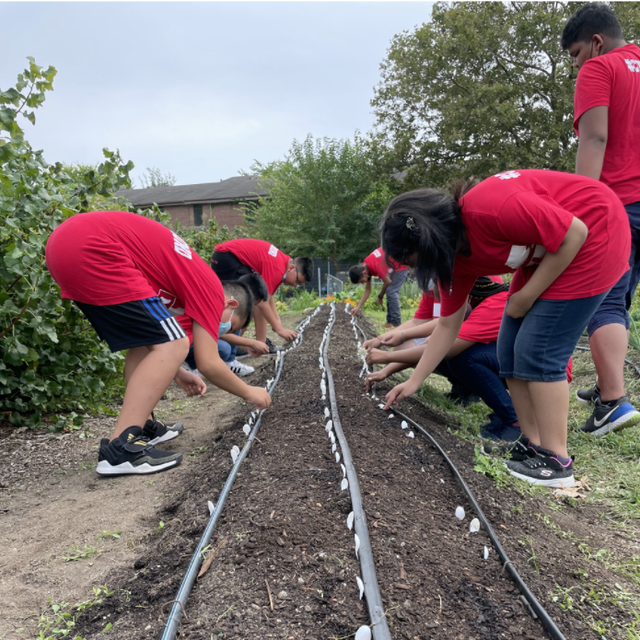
(283, 560)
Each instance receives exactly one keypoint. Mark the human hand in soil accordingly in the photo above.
(258, 397)
(287, 334)
(374, 343)
(257, 348)
(377, 356)
(518, 305)
(399, 393)
(354, 312)
(190, 382)
(376, 376)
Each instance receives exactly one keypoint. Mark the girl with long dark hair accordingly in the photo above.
(565, 238)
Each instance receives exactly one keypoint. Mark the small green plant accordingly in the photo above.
(533, 559)
(492, 468)
(161, 524)
(198, 451)
(105, 533)
(81, 554)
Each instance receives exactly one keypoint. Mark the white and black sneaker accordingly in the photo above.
(157, 431)
(544, 469)
(589, 395)
(239, 368)
(131, 453)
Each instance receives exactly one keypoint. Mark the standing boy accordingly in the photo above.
(375, 264)
(607, 121)
(130, 276)
(236, 258)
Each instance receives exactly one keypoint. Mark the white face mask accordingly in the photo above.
(225, 327)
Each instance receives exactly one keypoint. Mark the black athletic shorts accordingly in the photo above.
(140, 323)
(227, 267)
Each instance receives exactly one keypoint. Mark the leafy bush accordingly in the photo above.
(50, 359)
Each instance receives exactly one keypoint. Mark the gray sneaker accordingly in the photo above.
(588, 396)
(543, 469)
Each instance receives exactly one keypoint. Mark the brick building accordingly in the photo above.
(193, 205)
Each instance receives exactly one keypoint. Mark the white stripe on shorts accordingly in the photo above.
(172, 329)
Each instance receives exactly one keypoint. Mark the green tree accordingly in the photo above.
(482, 88)
(155, 178)
(50, 358)
(323, 200)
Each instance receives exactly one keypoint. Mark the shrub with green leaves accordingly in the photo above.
(51, 360)
(204, 241)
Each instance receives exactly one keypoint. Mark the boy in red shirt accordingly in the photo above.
(130, 276)
(566, 238)
(235, 258)
(607, 121)
(393, 277)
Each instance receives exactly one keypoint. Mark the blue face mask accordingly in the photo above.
(225, 327)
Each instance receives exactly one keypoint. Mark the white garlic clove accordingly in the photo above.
(460, 513)
(404, 424)
(327, 413)
(474, 525)
(246, 429)
(344, 471)
(381, 406)
(344, 484)
(212, 508)
(363, 633)
(357, 540)
(337, 457)
(391, 416)
(486, 553)
(234, 453)
(360, 586)
(334, 447)
(410, 434)
(350, 521)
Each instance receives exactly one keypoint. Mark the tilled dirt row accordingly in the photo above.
(284, 562)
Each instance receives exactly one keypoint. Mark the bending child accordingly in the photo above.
(130, 276)
(393, 277)
(567, 239)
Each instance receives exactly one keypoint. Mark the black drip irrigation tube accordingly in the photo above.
(173, 622)
(380, 628)
(530, 600)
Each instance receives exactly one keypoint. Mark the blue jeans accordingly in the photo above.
(615, 307)
(477, 370)
(393, 297)
(226, 351)
(537, 347)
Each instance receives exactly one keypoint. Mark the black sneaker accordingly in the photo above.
(272, 347)
(241, 353)
(519, 450)
(131, 453)
(157, 431)
(612, 416)
(589, 395)
(543, 469)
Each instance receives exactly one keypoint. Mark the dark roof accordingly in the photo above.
(230, 190)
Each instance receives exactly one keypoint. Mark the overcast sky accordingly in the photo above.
(202, 89)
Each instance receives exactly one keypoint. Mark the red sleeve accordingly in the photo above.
(451, 302)
(593, 89)
(425, 308)
(531, 218)
(373, 264)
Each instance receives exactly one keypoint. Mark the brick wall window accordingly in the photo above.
(197, 215)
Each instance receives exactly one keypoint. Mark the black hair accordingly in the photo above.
(356, 272)
(257, 285)
(242, 293)
(304, 267)
(593, 18)
(425, 222)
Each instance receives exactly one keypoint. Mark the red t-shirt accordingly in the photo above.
(111, 257)
(613, 80)
(513, 218)
(260, 256)
(377, 264)
(428, 309)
